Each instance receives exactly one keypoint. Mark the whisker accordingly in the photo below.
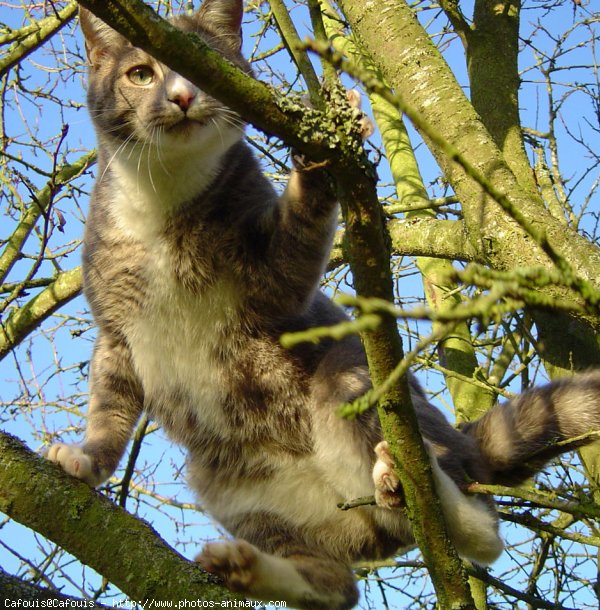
(159, 141)
(239, 126)
(231, 117)
(139, 165)
(117, 151)
(216, 124)
(132, 149)
(148, 163)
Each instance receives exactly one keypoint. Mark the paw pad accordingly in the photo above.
(388, 491)
(73, 461)
(233, 561)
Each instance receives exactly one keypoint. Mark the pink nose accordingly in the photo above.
(180, 91)
(183, 99)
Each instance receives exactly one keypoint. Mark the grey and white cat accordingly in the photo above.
(194, 267)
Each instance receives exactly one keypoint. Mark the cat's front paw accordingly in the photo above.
(365, 124)
(233, 560)
(73, 461)
(388, 491)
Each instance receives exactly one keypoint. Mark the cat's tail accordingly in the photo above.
(517, 438)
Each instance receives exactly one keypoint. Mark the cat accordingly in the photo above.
(193, 268)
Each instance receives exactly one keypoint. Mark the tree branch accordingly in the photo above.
(432, 238)
(291, 39)
(23, 320)
(118, 545)
(35, 36)
(495, 84)
(457, 19)
(37, 207)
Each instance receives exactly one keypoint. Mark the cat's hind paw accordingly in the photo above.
(388, 491)
(233, 560)
(74, 461)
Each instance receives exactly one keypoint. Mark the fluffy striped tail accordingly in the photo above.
(517, 438)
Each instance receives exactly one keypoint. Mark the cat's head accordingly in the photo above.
(134, 98)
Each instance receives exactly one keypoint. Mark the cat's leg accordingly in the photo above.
(114, 406)
(472, 523)
(302, 230)
(299, 577)
(309, 185)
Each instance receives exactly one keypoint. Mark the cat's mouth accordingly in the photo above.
(185, 126)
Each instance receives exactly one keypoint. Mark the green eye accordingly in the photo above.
(141, 75)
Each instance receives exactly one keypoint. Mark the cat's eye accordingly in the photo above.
(141, 75)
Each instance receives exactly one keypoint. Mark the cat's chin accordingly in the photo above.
(193, 133)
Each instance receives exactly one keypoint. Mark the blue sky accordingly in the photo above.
(39, 359)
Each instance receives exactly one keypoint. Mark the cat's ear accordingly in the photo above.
(225, 17)
(99, 37)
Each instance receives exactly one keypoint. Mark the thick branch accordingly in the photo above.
(495, 84)
(445, 239)
(41, 496)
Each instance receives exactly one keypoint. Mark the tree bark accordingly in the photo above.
(495, 84)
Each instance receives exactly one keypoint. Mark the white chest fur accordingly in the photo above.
(173, 344)
(173, 339)
(152, 179)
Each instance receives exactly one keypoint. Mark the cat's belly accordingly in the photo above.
(174, 345)
(296, 488)
(299, 494)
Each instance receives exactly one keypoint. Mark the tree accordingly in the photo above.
(478, 198)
